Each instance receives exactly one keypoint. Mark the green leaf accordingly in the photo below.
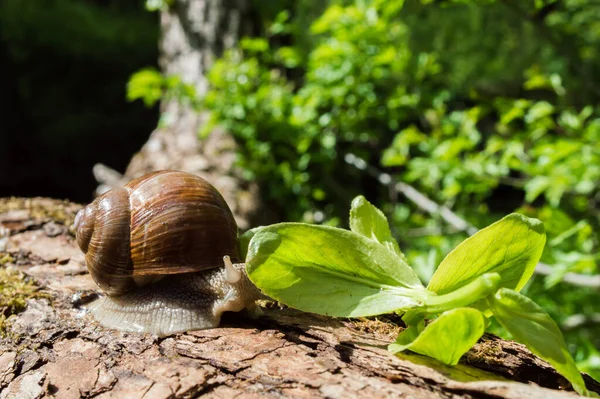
(146, 84)
(407, 337)
(255, 45)
(155, 5)
(530, 325)
(367, 220)
(536, 186)
(510, 247)
(330, 271)
(245, 239)
(447, 338)
(539, 110)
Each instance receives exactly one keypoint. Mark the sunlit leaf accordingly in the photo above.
(146, 84)
(510, 247)
(330, 271)
(447, 338)
(530, 325)
(536, 186)
(368, 221)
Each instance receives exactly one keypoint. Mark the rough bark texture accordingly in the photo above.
(53, 348)
(193, 34)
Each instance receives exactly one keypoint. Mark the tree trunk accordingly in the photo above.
(55, 349)
(194, 34)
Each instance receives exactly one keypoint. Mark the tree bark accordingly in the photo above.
(55, 349)
(194, 33)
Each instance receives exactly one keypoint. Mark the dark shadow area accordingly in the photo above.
(64, 71)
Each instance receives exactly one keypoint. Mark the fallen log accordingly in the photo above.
(52, 348)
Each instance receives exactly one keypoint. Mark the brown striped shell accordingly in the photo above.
(165, 222)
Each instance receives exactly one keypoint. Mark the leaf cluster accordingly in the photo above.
(362, 272)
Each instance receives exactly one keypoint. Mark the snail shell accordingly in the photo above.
(162, 223)
(160, 248)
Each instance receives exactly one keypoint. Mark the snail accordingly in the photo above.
(162, 248)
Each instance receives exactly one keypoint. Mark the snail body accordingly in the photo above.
(161, 248)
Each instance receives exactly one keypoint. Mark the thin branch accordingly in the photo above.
(579, 320)
(433, 208)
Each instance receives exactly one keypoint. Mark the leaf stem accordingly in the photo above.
(481, 287)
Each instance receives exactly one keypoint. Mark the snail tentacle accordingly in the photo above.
(232, 275)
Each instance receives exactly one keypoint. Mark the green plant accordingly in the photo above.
(362, 272)
(150, 86)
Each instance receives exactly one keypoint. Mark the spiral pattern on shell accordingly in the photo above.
(165, 222)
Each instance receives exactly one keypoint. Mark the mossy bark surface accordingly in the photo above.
(53, 348)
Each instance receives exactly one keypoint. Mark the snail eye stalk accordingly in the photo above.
(232, 275)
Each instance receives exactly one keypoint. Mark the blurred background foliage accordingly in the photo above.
(484, 106)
